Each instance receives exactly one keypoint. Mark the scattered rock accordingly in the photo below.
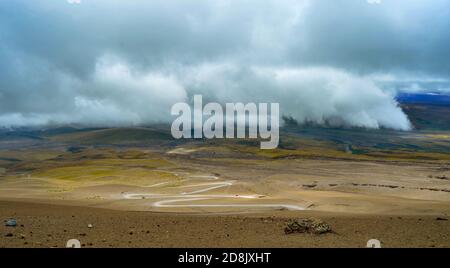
(75, 149)
(11, 223)
(90, 225)
(441, 219)
(312, 226)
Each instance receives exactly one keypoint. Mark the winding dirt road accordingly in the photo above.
(190, 199)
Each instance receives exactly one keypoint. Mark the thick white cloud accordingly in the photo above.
(118, 94)
(120, 62)
(321, 95)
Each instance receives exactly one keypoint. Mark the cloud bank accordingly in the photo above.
(121, 63)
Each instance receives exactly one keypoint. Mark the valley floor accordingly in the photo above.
(222, 194)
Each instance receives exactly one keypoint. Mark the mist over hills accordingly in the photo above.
(430, 136)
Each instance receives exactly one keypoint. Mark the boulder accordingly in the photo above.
(11, 223)
(311, 226)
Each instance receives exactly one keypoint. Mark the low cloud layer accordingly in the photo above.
(120, 63)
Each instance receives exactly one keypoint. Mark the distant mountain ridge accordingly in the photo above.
(424, 98)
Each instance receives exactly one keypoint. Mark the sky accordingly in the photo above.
(126, 62)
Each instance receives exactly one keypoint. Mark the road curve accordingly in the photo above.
(189, 198)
